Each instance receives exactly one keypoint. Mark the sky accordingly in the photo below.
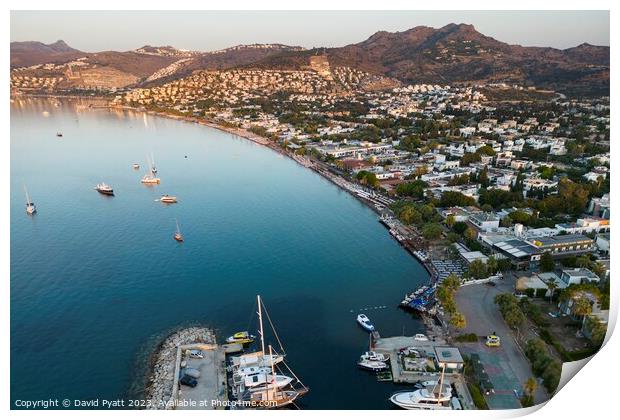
(92, 31)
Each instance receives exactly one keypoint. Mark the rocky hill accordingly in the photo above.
(453, 54)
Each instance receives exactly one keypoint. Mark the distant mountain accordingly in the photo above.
(29, 53)
(453, 54)
(461, 54)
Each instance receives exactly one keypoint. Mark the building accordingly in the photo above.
(484, 221)
(578, 276)
(563, 245)
(450, 358)
(602, 243)
(585, 225)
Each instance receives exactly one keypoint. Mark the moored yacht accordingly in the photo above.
(242, 337)
(104, 189)
(376, 357)
(168, 199)
(150, 179)
(365, 323)
(372, 365)
(269, 380)
(422, 399)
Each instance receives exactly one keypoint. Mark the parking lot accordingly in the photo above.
(507, 366)
(211, 383)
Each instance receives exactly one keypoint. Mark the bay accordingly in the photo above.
(96, 281)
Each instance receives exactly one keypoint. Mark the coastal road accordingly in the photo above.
(510, 369)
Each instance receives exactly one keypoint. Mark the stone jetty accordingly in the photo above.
(159, 389)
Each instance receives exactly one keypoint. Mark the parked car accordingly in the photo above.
(493, 341)
(189, 381)
(197, 354)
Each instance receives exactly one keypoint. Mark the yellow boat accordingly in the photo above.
(242, 337)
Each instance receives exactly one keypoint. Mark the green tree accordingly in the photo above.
(431, 231)
(546, 262)
(457, 320)
(477, 269)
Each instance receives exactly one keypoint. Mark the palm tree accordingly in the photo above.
(582, 307)
(552, 286)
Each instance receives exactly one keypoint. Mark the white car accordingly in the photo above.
(196, 354)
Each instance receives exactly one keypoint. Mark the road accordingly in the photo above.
(510, 369)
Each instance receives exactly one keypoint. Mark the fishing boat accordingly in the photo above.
(365, 323)
(271, 390)
(177, 235)
(371, 365)
(104, 189)
(30, 207)
(242, 337)
(169, 199)
(136, 166)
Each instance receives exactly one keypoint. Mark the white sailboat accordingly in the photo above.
(30, 207)
(177, 235)
(272, 390)
(153, 167)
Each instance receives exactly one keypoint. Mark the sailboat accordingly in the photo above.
(30, 207)
(153, 167)
(275, 390)
(177, 235)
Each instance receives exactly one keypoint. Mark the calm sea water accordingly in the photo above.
(96, 281)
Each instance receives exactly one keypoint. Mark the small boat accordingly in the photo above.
(420, 337)
(136, 166)
(59, 134)
(168, 199)
(242, 337)
(376, 357)
(104, 189)
(256, 360)
(149, 179)
(365, 323)
(30, 207)
(371, 365)
(153, 167)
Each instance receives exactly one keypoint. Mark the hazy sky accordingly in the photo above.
(210, 30)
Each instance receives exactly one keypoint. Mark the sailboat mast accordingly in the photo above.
(443, 370)
(27, 196)
(178, 230)
(260, 324)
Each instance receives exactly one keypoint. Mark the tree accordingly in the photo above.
(452, 282)
(582, 306)
(552, 286)
(546, 262)
(458, 321)
(450, 220)
(431, 231)
(530, 386)
(477, 269)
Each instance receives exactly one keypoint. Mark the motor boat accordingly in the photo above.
(365, 323)
(422, 399)
(372, 365)
(168, 199)
(243, 337)
(420, 337)
(377, 357)
(104, 189)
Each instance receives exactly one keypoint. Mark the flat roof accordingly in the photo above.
(562, 239)
(448, 355)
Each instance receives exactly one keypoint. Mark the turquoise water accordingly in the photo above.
(96, 281)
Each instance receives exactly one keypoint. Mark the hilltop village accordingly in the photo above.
(501, 191)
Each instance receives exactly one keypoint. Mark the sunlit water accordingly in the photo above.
(96, 281)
